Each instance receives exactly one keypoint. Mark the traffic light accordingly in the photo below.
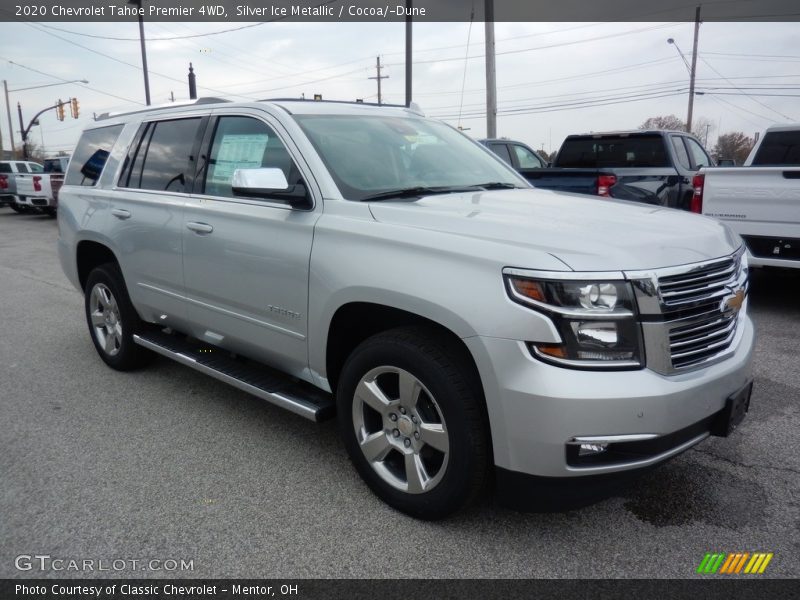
(60, 110)
(74, 108)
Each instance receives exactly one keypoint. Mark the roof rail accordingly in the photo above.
(204, 100)
(414, 107)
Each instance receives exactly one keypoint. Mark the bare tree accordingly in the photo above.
(735, 145)
(664, 122)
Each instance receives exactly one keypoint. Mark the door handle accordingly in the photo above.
(201, 228)
(121, 213)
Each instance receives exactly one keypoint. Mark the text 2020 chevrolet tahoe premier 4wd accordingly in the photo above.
(368, 261)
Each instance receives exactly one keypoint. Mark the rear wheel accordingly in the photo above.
(50, 211)
(112, 319)
(411, 415)
(18, 208)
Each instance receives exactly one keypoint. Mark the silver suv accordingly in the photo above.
(468, 330)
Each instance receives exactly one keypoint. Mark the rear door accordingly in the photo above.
(246, 260)
(146, 219)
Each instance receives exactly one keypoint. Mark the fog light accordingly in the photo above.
(591, 449)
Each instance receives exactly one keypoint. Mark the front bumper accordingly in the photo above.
(535, 409)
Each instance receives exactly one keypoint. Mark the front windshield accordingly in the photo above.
(367, 155)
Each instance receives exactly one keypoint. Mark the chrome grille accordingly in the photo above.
(700, 324)
(686, 319)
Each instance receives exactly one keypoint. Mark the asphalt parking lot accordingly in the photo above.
(170, 464)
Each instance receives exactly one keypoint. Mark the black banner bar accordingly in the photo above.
(728, 588)
(395, 10)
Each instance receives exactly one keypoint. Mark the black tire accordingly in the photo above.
(121, 353)
(445, 373)
(18, 209)
(50, 211)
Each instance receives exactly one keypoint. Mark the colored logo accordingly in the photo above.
(734, 563)
(734, 302)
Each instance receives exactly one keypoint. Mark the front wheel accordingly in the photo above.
(412, 418)
(112, 319)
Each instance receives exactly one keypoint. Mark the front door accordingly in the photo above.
(246, 260)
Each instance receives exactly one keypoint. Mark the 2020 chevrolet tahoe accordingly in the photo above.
(466, 329)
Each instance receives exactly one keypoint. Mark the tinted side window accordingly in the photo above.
(245, 143)
(680, 152)
(35, 168)
(167, 156)
(699, 156)
(502, 151)
(5, 167)
(526, 158)
(779, 148)
(91, 155)
(22, 168)
(612, 151)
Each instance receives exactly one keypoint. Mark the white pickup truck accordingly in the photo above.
(39, 191)
(760, 201)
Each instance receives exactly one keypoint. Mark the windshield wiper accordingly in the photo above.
(419, 191)
(497, 185)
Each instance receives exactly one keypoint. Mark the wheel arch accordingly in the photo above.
(90, 254)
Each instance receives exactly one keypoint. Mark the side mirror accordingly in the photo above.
(269, 183)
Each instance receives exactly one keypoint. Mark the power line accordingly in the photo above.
(122, 62)
(753, 99)
(76, 83)
(558, 45)
(161, 39)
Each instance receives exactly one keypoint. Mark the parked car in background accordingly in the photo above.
(520, 156)
(57, 164)
(39, 191)
(779, 146)
(10, 172)
(760, 202)
(653, 167)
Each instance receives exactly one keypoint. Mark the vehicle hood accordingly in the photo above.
(587, 233)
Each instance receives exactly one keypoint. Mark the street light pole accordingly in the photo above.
(694, 70)
(691, 68)
(8, 112)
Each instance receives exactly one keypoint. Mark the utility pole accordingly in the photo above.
(138, 3)
(8, 112)
(491, 75)
(694, 70)
(379, 77)
(408, 52)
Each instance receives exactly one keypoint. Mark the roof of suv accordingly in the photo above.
(290, 105)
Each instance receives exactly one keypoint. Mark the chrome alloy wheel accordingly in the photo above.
(105, 317)
(400, 429)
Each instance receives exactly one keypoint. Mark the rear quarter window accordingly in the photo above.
(5, 167)
(613, 151)
(91, 155)
(779, 148)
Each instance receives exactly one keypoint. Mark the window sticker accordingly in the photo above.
(237, 151)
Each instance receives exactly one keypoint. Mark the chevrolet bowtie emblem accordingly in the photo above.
(735, 302)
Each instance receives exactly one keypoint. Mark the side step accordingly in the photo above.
(299, 397)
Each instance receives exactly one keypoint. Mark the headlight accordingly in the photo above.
(596, 321)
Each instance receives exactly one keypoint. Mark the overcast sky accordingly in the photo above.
(552, 78)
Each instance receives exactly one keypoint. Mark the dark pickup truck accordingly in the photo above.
(654, 167)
